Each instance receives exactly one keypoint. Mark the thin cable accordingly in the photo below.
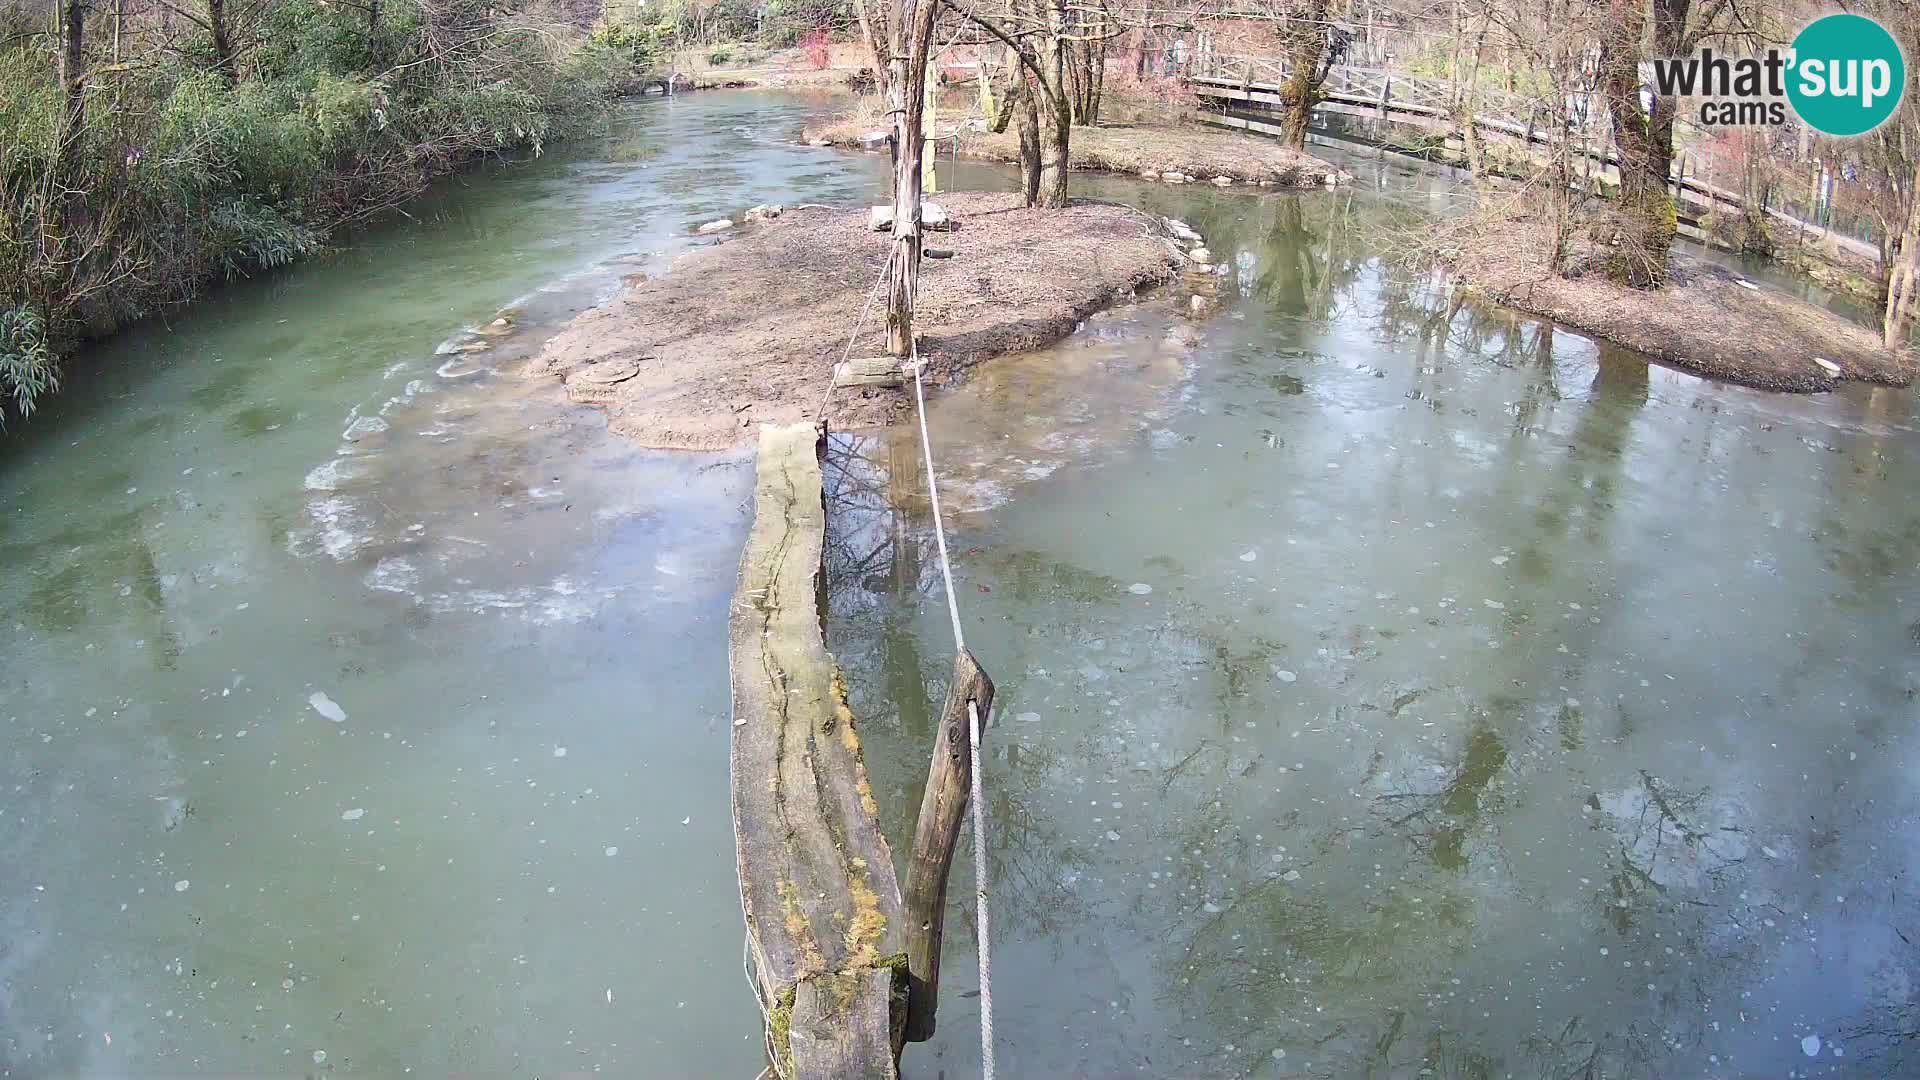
(832, 385)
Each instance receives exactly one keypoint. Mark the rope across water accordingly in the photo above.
(976, 797)
(976, 800)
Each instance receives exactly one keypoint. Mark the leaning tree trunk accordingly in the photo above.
(1646, 213)
(1049, 101)
(875, 31)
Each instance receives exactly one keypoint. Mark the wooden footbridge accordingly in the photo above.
(1434, 105)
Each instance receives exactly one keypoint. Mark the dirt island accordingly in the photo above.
(748, 330)
(1706, 318)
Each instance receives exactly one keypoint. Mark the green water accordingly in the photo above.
(1384, 692)
(514, 855)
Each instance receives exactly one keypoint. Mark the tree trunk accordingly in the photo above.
(1074, 68)
(1306, 55)
(1097, 80)
(1056, 131)
(909, 79)
(73, 63)
(1469, 103)
(1900, 281)
(1756, 237)
(222, 39)
(1646, 221)
(1049, 97)
(1056, 124)
(874, 29)
(1086, 66)
(1029, 140)
(73, 83)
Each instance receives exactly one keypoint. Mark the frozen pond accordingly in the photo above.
(1386, 691)
(365, 706)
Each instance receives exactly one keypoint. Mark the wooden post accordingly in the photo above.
(942, 808)
(912, 38)
(928, 181)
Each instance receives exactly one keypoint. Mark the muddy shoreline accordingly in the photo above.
(1707, 320)
(1151, 149)
(748, 330)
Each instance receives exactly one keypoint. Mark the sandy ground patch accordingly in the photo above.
(748, 330)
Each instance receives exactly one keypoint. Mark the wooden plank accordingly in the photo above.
(861, 1007)
(943, 806)
(871, 371)
(816, 877)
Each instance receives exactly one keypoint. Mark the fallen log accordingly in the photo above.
(817, 879)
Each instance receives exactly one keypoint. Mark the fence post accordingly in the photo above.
(1386, 92)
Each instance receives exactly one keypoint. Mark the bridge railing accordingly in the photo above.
(1515, 115)
(1396, 91)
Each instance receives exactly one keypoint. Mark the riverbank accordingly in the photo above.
(1707, 319)
(194, 173)
(747, 331)
(1155, 149)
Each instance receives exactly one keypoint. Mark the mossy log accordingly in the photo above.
(816, 877)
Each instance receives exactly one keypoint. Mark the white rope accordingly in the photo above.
(984, 939)
(977, 798)
(853, 337)
(980, 899)
(933, 494)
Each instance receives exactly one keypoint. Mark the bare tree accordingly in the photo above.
(73, 67)
(1018, 24)
(911, 39)
(1644, 138)
(1311, 54)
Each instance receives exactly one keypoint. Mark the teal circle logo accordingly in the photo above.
(1846, 75)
